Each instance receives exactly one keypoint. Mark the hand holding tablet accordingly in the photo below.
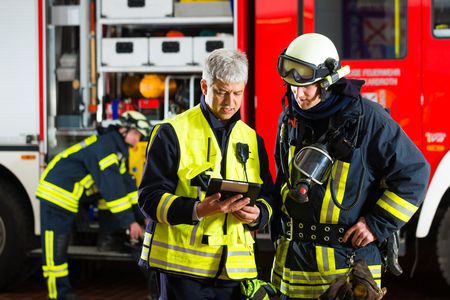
(229, 188)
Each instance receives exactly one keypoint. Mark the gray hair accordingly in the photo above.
(228, 66)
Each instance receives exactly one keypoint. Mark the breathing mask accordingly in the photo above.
(311, 165)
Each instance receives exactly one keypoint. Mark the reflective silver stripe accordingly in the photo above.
(199, 192)
(396, 206)
(324, 278)
(241, 270)
(49, 260)
(238, 253)
(49, 248)
(147, 238)
(193, 234)
(308, 284)
(184, 268)
(144, 253)
(376, 272)
(329, 212)
(108, 161)
(325, 262)
(308, 277)
(145, 246)
(51, 198)
(336, 182)
(59, 191)
(163, 207)
(117, 205)
(87, 181)
(299, 290)
(304, 291)
(184, 250)
(57, 273)
(133, 197)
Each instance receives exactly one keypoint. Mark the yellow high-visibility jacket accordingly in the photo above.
(201, 249)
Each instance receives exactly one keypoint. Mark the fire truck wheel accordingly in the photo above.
(443, 246)
(14, 233)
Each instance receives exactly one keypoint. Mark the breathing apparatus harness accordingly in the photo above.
(312, 164)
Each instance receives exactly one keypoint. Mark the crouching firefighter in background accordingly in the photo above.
(97, 164)
(334, 151)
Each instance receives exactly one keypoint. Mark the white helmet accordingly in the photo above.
(134, 120)
(308, 59)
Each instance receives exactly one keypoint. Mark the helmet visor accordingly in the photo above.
(300, 71)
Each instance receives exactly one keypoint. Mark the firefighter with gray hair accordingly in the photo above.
(203, 245)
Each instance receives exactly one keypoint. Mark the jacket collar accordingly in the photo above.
(213, 121)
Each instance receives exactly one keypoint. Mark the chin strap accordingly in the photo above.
(288, 119)
(288, 110)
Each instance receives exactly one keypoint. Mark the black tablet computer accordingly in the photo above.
(228, 188)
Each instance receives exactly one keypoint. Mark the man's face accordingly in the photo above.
(132, 137)
(223, 99)
(306, 96)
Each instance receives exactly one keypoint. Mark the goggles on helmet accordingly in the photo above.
(301, 71)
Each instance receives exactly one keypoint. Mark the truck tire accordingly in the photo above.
(443, 246)
(15, 235)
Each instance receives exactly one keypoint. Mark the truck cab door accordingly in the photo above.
(436, 90)
(436, 72)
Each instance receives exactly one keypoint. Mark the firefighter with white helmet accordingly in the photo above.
(348, 175)
(134, 120)
(308, 59)
(94, 168)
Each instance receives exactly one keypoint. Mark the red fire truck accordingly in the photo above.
(398, 46)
